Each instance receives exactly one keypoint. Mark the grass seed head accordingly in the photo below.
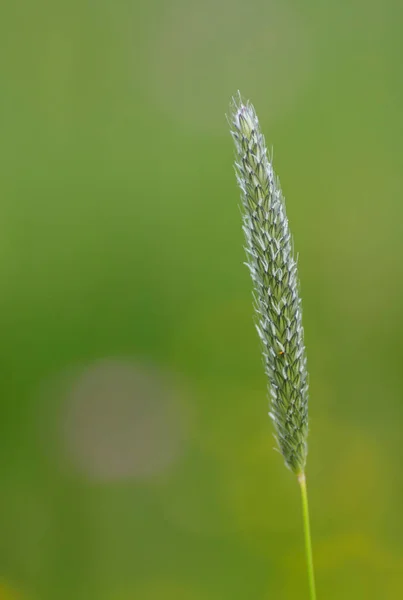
(273, 268)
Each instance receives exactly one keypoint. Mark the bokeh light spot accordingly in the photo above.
(122, 420)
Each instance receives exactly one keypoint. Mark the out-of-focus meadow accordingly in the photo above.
(136, 452)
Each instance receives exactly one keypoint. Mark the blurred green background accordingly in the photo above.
(136, 452)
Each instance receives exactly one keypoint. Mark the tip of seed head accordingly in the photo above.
(238, 105)
(243, 116)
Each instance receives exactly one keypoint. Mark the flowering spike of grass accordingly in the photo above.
(273, 268)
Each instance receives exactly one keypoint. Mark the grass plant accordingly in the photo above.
(273, 268)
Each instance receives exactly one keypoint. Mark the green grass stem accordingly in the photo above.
(307, 533)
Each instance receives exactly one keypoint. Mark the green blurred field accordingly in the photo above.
(136, 451)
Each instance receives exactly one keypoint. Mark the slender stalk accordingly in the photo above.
(307, 532)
